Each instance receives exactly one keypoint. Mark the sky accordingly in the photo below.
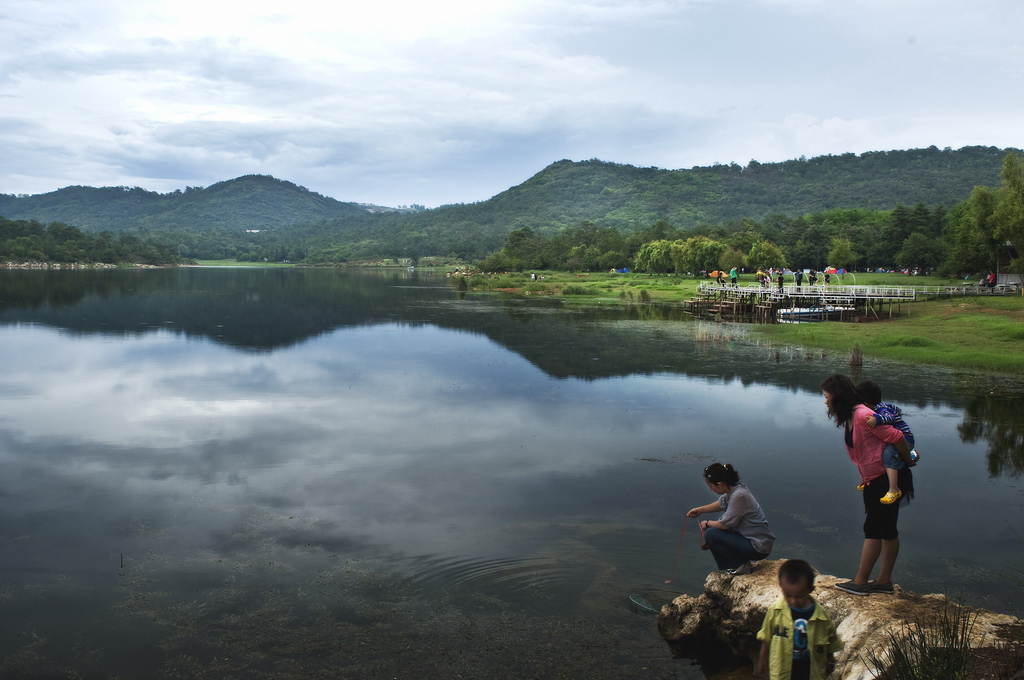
(397, 102)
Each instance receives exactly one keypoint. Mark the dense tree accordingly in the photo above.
(732, 257)
(764, 255)
(921, 222)
(1008, 216)
(921, 252)
(894, 233)
(811, 250)
(841, 255)
(989, 224)
(527, 247)
(29, 241)
(697, 254)
(655, 257)
(745, 235)
(970, 251)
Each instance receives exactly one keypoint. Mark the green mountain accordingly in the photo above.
(251, 202)
(624, 196)
(629, 198)
(293, 222)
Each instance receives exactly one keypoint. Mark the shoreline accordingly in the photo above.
(976, 332)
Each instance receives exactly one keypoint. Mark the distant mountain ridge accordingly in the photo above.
(565, 193)
(252, 202)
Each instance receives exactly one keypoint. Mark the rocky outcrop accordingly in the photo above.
(733, 607)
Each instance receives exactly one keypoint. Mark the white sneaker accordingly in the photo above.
(741, 570)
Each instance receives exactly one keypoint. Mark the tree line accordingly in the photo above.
(263, 218)
(31, 241)
(527, 227)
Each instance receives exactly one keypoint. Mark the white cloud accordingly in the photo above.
(400, 102)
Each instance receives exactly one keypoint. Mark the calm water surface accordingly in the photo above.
(289, 473)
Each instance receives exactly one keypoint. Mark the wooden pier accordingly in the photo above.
(768, 304)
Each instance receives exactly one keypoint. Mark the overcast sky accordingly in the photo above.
(400, 101)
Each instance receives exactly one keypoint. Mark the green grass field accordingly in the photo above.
(977, 332)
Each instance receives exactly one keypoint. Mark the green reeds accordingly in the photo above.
(706, 331)
(928, 648)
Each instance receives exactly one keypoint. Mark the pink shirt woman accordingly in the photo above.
(865, 445)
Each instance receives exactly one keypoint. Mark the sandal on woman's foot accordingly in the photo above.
(891, 497)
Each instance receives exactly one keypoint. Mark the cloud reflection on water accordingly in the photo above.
(381, 431)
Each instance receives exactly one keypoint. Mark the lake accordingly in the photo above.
(272, 473)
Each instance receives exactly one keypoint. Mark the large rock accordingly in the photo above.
(733, 607)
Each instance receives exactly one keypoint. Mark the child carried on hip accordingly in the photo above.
(888, 414)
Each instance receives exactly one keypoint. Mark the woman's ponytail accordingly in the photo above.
(718, 473)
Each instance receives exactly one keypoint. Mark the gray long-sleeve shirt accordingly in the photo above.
(744, 515)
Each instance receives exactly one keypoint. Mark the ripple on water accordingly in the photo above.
(528, 583)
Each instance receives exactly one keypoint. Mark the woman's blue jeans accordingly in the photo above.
(730, 548)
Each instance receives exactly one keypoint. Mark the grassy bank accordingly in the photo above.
(624, 287)
(236, 263)
(966, 332)
(978, 332)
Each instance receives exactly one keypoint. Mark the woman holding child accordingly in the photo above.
(865, 446)
(741, 534)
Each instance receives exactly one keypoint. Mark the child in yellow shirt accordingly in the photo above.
(798, 639)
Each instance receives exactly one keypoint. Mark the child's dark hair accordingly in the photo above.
(716, 472)
(795, 571)
(870, 392)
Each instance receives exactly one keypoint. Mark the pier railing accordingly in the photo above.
(819, 302)
(902, 293)
(855, 292)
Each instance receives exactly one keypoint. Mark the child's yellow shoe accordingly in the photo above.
(860, 487)
(891, 497)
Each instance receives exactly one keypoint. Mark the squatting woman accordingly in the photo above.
(741, 534)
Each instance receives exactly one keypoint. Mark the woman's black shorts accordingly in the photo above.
(881, 519)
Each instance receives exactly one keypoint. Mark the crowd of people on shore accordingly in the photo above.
(771, 275)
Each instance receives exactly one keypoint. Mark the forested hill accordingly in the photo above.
(627, 196)
(249, 202)
(295, 223)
